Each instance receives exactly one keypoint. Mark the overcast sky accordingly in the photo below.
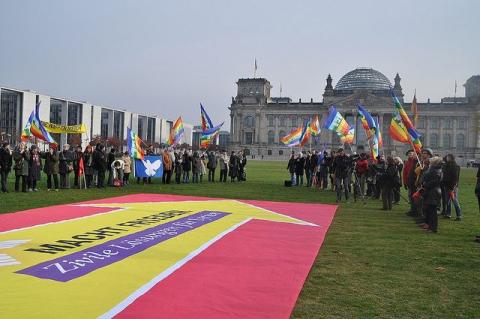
(164, 57)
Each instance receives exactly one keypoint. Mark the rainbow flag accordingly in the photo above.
(306, 133)
(412, 135)
(206, 122)
(292, 139)
(398, 132)
(348, 138)
(335, 122)
(26, 133)
(209, 135)
(378, 133)
(315, 126)
(37, 129)
(134, 144)
(176, 132)
(368, 122)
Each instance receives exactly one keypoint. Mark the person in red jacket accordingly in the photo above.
(362, 169)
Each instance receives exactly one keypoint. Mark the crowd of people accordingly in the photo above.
(58, 166)
(431, 181)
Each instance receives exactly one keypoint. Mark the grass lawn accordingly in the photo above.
(373, 264)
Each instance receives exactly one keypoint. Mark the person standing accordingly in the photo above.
(21, 156)
(242, 162)
(233, 166)
(196, 167)
(408, 179)
(323, 170)
(178, 167)
(88, 165)
(167, 167)
(77, 157)
(307, 168)
(5, 165)
(223, 163)
(388, 179)
(398, 180)
(431, 192)
(291, 168)
(203, 168)
(34, 169)
(451, 177)
(111, 169)
(211, 165)
(299, 169)
(362, 170)
(100, 164)
(65, 166)
(50, 168)
(187, 166)
(127, 167)
(341, 171)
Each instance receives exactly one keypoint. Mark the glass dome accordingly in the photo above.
(363, 78)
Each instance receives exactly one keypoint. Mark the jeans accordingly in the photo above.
(211, 174)
(65, 180)
(309, 177)
(432, 217)
(23, 179)
(449, 201)
(186, 177)
(323, 177)
(3, 179)
(387, 197)
(223, 175)
(299, 180)
(195, 178)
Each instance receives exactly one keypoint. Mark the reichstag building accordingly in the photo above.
(258, 120)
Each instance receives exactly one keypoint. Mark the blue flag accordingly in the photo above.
(150, 166)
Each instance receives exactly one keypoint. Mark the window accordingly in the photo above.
(104, 124)
(271, 120)
(271, 137)
(433, 123)
(74, 118)
(460, 141)
(249, 121)
(141, 127)
(421, 122)
(434, 140)
(56, 111)
(448, 123)
(269, 152)
(9, 115)
(283, 121)
(248, 138)
(294, 120)
(118, 122)
(280, 135)
(151, 130)
(280, 152)
(447, 140)
(461, 123)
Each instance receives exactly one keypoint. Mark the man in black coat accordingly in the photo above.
(5, 165)
(299, 169)
(431, 193)
(100, 164)
(211, 165)
(340, 168)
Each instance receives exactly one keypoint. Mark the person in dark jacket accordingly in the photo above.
(233, 167)
(291, 168)
(100, 164)
(50, 167)
(65, 166)
(88, 165)
(299, 169)
(307, 168)
(242, 162)
(362, 170)
(187, 167)
(21, 156)
(5, 165)
(398, 180)
(451, 177)
(431, 193)
(212, 165)
(34, 168)
(388, 181)
(196, 167)
(77, 156)
(340, 169)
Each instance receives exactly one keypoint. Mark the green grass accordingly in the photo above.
(373, 264)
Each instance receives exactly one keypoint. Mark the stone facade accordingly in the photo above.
(258, 121)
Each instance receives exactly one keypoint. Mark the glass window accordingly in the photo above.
(249, 121)
(74, 118)
(56, 111)
(433, 123)
(9, 116)
(460, 141)
(280, 152)
(248, 138)
(461, 123)
(151, 130)
(447, 140)
(271, 120)
(294, 120)
(448, 123)
(283, 121)
(142, 120)
(104, 124)
(118, 122)
(421, 122)
(271, 137)
(280, 135)
(269, 152)
(434, 140)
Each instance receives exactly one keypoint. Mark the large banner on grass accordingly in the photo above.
(161, 256)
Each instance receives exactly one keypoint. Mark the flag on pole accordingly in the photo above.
(305, 136)
(398, 132)
(81, 167)
(134, 144)
(368, 122)
(255, 68)
(26, 133)
(209, 136)
(176, 132)
(315, 126)
(293, 138)
(348, 138)
(335, 122)
(378, 133)
(321, 155)
(37, 128)
(412, 134)
(415, 109)
(206, 122)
